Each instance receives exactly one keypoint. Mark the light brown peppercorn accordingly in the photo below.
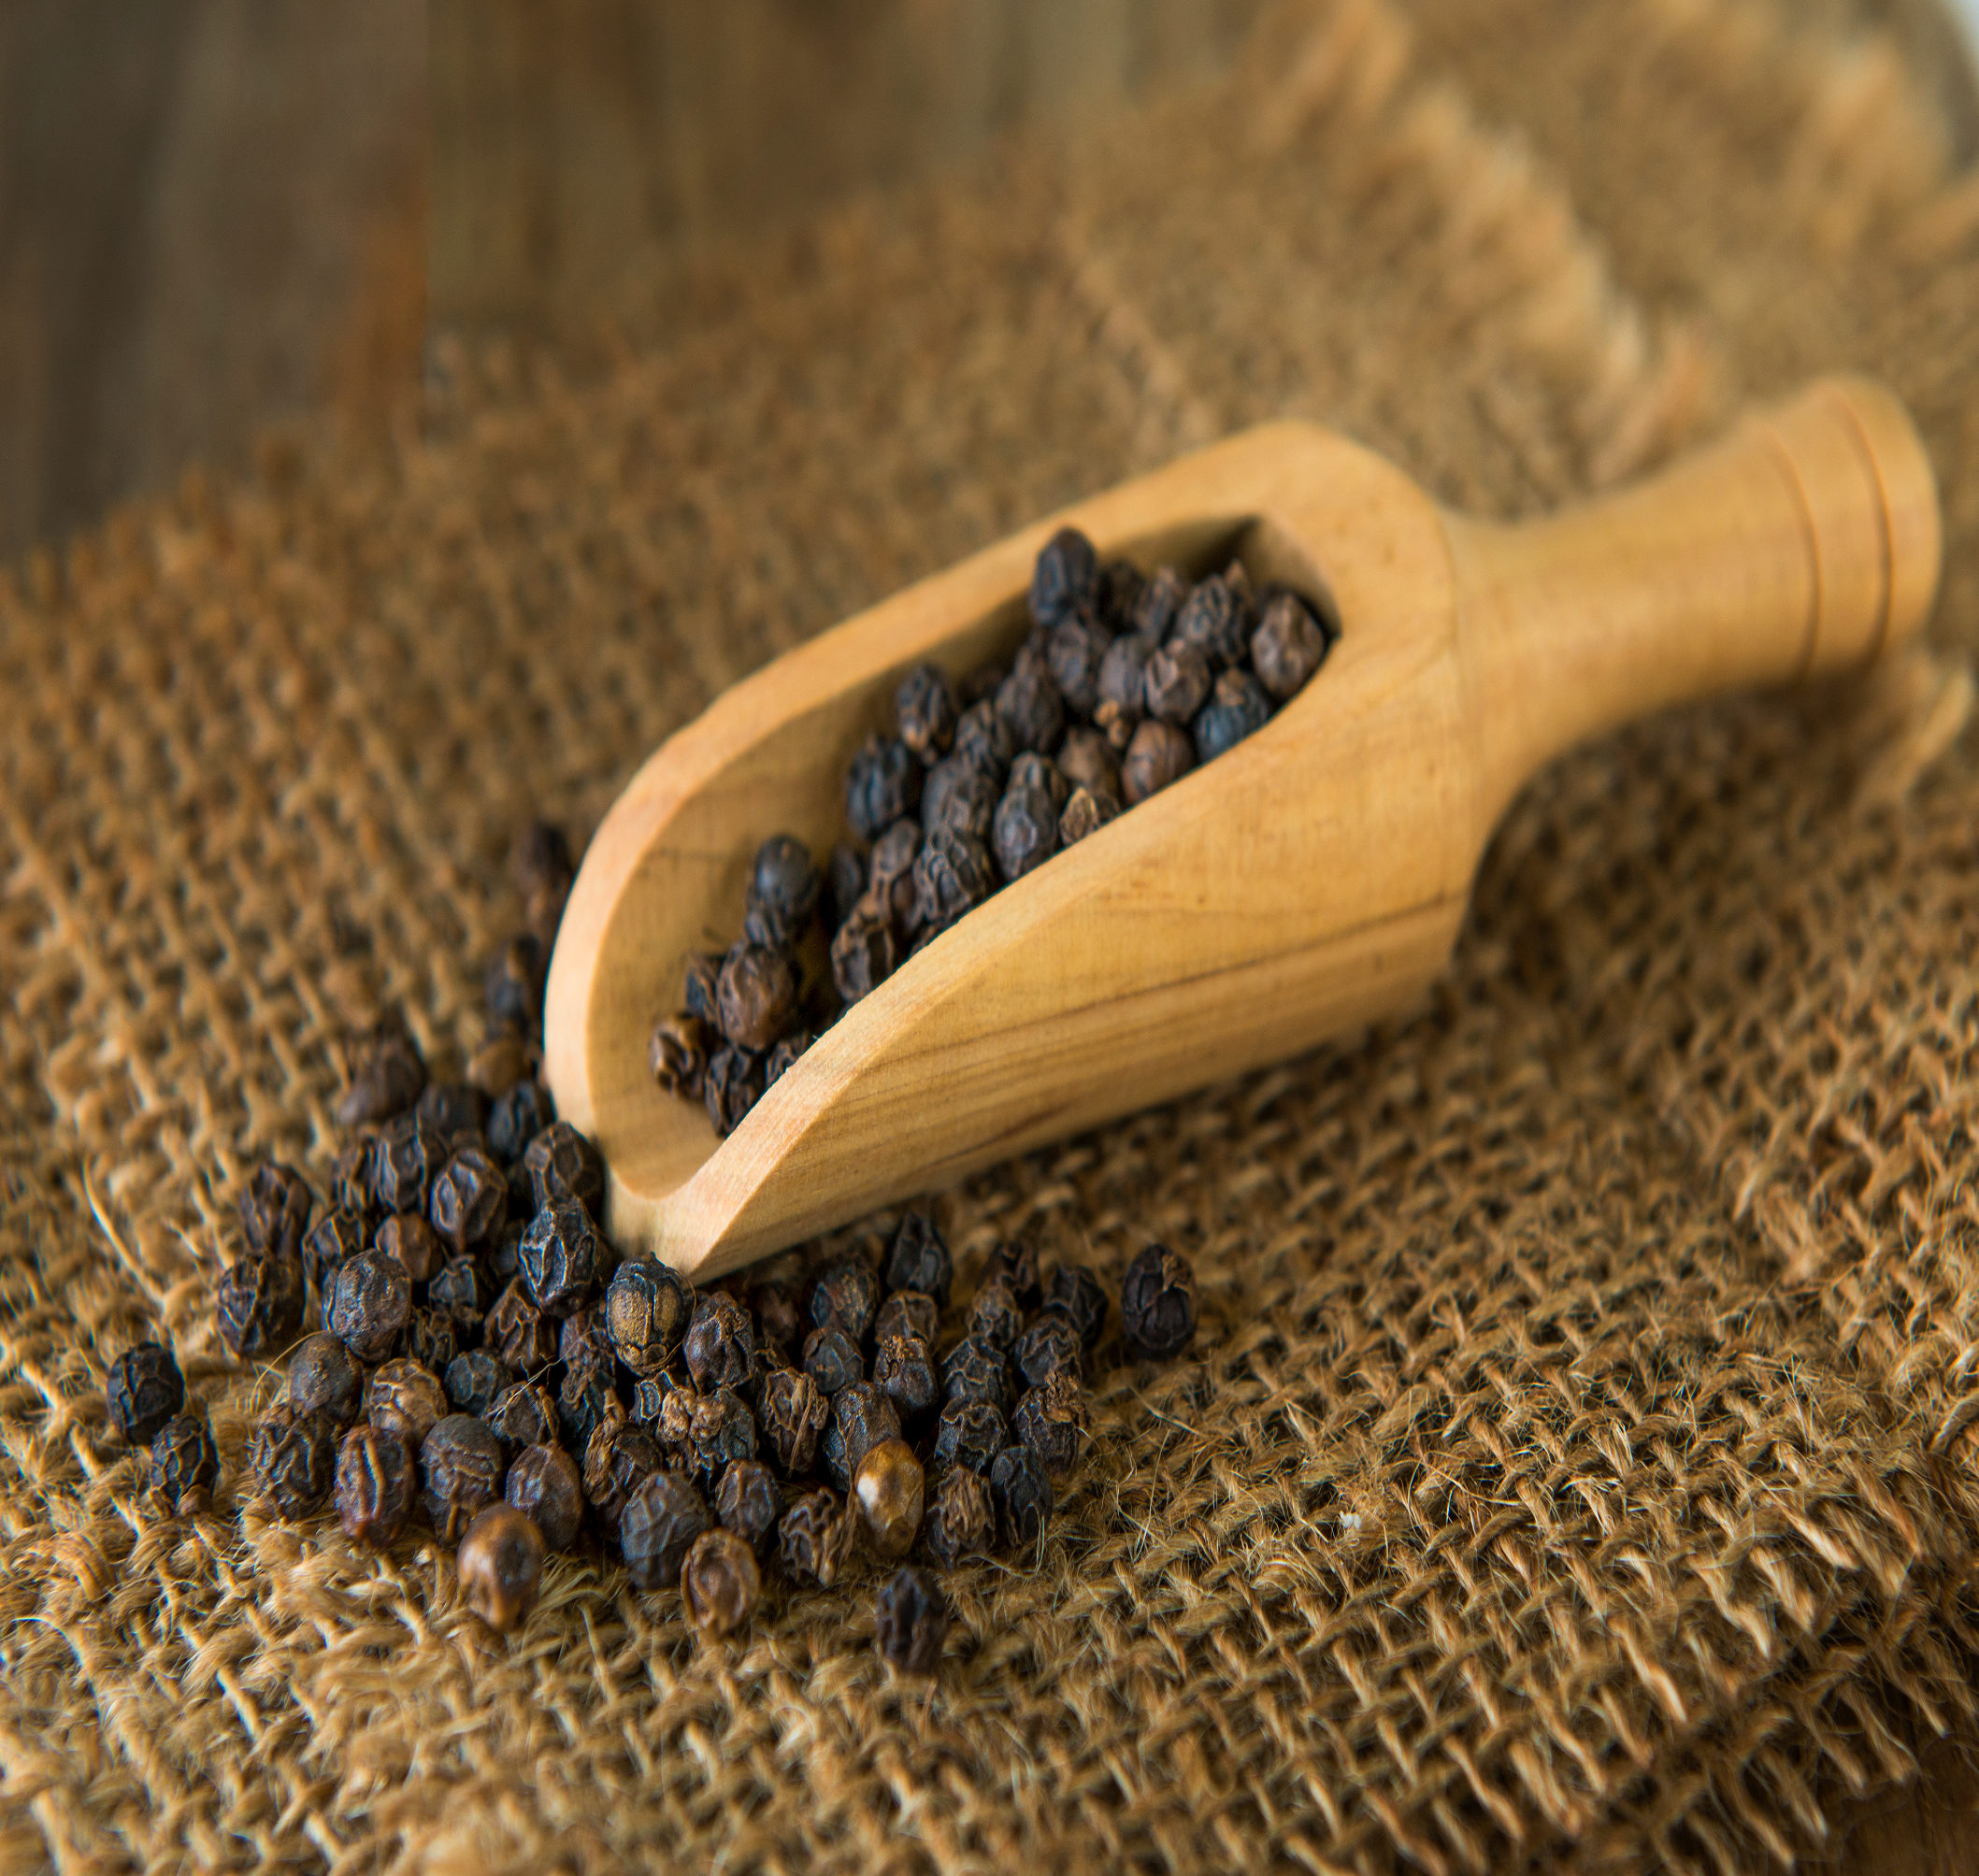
(678, 1054)
(1159, 754)
(720, 1584)
(406, 1398)
(890, 1487)
(962, 1520)
(816, 1536)
(501, 1566)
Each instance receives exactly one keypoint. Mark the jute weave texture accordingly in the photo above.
(1577, 1460)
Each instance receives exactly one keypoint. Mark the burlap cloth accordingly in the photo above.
(1578, 1457)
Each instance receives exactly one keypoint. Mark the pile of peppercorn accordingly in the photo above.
(481, 1357)
(1126, 682)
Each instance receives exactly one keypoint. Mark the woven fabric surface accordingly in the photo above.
(1575, 1463)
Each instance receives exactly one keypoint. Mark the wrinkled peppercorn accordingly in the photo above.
(143, 1390)
(844, 882)
(925, 707)
(863, 955)
(460, 1289)
(405, 1398)
(383, 1072)
(432, 1338)
(584, 1400)
(293, 1459)
(795, 1411)
(732, 1086)
(907, 1312)
(562, 1257)
(846, 1297)
(1123, 687)
(1213, 620)
(904, 1371)
(1159, 602)
(274, 1208)
(832, 1360)
(1022, 1492)
(1159, 754)
(584, 1341)
(748, 1504)
(720, 1345)
(882, 785)
(1017, 1263)
(961, 1519)
(1178, 682)
(501, 1566)
(520, 1333)
(512, 985)
(890, 870)
(785, 883)
(1237, 708)
(502, 1060)
(889, 1488)
(701, 979)
(1073, 651)
(324, 1379)
(678, 1054)
(815, 1537)
(778, 1326)
(911, 1621)
(1026, 834)
(543, 1482)
(460, 1470)
(259, 1303)
(1288, 647)
(334, 1238)
(720, 1430)
(970, 1434)
(515, 1119)
(1051, 1421)
(1065, 577)
(408, 1238)
(370, 1299)
(755, 997)
(974, 1369)
(960, 798)
(469, 1199)
(1049, 1346)
(780, 1060)
(647, 1309)
(525, 1415)
(983, 739)
(377, 1481)
(720, 1583)
(475, 1379)
(185, 1464)
(861, 1418)
(619, 1458)
(995, 1315)
(1086, 760)
(657, 1526)
(1117, 593)
(1157, 1303)
(455, 1111)
(918, 1258)
(407, 1154)
(1085, 813)
(1077, 1292)
(351, 1187)
(504, 1256)
(1029, 705)
(564, 1167)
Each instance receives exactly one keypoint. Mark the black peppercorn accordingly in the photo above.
(907, 1312)
(904, 1371)
(564, 1166)
(259, 1303)
(1214, 621)
(1073, 650)
(1086, 760)
(846, 1297)
(520, 1333)
(501, 1566)
(1026, 834)
(516, 1117)
(649, 1393)
(377, 1483)
(144, 1390)
(1022, 1492)
(995, 1315)
(911, 1621)
(974, 1369)
(1017, 1263)
(780, 1060)
(720, 1430)
(543, 1482)
(512, 985)
(294, 1458)
(784, 881)
(925, 707)
(882, 785)
(754, 996)
(720, 1345)
(1159, 754)
(408, 1238)
(1117, 593)
(405, 1398)
(831, 1358)
(778, 1325)
(525, 1415)
(324, 1379)
(432, 1338)
(1049, 1346)
(863, 955)
(350, 1188)
(861, 1418)
(1157, 1303)
(618, 1457)
(748, 1504)
(586, 1399)
(678, 1054)
(455, 1111)
(647, 1309)
(461, 1290)
(732, 1086)
(961, 1520)
(970, 1434)
(960, 798)
(657, 1526)
(918, 1258)
(720, 1583)
(1159, 602)
(504, 1256)
(562, 1257)
(1065, 577)
(475, 1378)
(541, 861)
(370, 1299)
(460, 1470)
(1085, 813)
(1288, 647)
(1051, 1421)
(1076, 1291)
(793, 1410)
(584, 1341)
(1123, 687)
(334, 1238)
(1237, 708)
(407, 1154)
(274, 1208)
(470, 1200)
(1178, 682)
(816, 1536)
(502, 1060)
(845, 880)
(185, 1464)
(383, 1070)
(1029, 705)
(700, 978)
(983, 739)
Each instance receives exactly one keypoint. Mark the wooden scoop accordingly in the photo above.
(1308, 880)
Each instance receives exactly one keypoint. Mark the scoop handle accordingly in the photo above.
(1806, 543)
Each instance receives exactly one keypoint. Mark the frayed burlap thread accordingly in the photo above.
(1575, 1462)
